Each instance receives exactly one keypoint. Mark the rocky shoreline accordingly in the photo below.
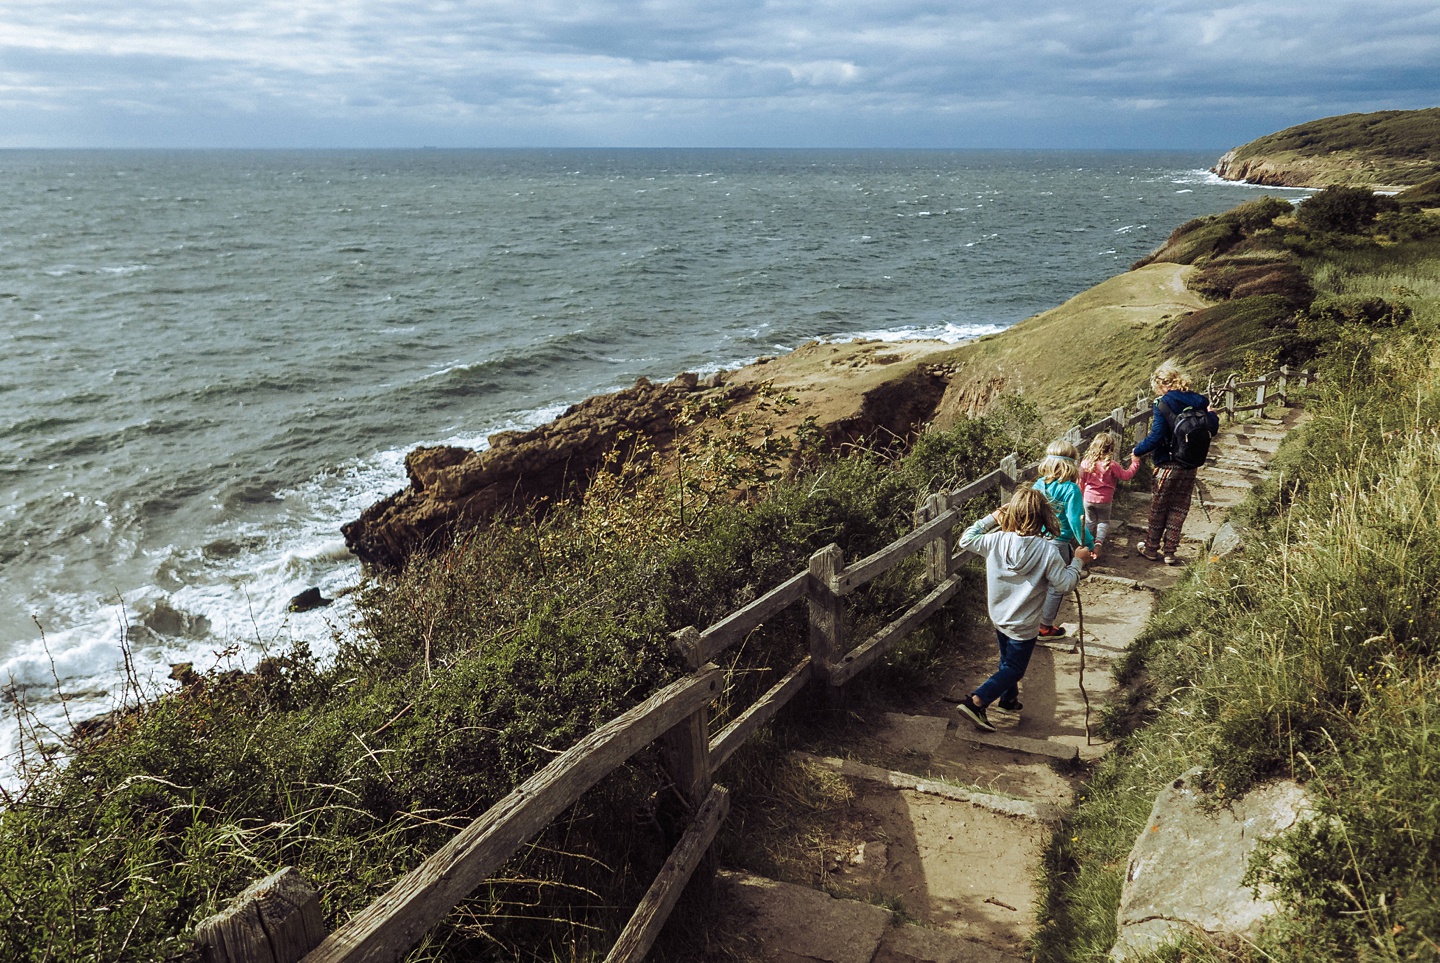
(861, 389)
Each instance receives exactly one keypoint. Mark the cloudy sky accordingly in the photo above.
(761, 73)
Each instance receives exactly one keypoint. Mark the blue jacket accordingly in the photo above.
(1069, 504)
(1158, 441)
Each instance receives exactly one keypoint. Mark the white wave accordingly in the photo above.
(1211, 179)
(124, 269)
(947, 331)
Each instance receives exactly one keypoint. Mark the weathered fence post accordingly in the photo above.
(1117, 416)
(687, 746)
(1010, 465)
(275, 920)
(939, 552)
(827, 617)
(1142, 408)
(1230, 398)
(1282, 384)
(686, 753)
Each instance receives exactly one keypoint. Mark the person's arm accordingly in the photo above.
(973, 538)
(1157, 433)
(1063, 578)
(1125, 474)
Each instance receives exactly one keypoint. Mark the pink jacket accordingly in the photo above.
(1098, 484)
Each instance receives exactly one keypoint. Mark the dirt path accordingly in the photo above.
(955, 820)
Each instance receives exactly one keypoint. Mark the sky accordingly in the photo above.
(723, 73)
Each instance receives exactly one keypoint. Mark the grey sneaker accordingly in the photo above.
(975, 714)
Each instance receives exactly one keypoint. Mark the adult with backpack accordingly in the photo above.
(1178, 442)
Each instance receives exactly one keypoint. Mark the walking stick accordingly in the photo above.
(1080, 639)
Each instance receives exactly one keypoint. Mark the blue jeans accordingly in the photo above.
(1014, 660)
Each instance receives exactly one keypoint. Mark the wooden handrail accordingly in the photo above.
(386, 929)
(735, 626)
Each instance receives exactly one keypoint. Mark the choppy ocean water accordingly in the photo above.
(214, 359)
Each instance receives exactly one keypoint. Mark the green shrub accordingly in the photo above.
(1342, 210)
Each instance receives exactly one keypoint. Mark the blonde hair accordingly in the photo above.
(1059, 463)
(1100, 452)
(1028, 513)
(1170, 377)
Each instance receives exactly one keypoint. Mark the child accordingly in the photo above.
(1021, 567)
(1058, 471)
(1099, 473)
(1174, 482)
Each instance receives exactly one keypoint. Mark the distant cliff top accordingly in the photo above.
(1386, 149)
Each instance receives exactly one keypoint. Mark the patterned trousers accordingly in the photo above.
(1168, 508)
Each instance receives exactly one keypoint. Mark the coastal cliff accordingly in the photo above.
(1386, 150)
(847, 392)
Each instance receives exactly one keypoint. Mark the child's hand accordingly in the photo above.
(1084, 554)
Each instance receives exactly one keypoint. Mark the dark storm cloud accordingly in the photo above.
(673, 71)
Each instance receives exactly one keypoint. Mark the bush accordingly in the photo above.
(1342, 210)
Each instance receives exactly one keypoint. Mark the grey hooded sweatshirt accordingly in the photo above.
(1018, 571)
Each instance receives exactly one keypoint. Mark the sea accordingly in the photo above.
(212, 360)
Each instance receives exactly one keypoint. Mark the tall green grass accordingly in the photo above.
(1311, 655)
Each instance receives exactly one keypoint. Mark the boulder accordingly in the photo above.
(1186, 868)
(307, 600)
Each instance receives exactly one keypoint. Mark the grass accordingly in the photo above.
(1311, 655)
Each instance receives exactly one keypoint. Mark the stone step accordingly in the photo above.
(1005, 805)
(787, 922)
(1003, 740)
(913, 943)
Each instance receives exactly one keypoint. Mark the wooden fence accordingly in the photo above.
(277, 920)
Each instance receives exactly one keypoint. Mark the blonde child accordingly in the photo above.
(1099, 474)
(1022, 566)
(1058, 471)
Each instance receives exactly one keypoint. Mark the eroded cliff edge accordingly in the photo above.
(861, 390)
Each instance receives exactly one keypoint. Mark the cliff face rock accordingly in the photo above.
(452, 489)
(868, 390)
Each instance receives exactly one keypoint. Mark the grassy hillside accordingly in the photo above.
(1388, 148)
(1311, 654)
(1086, 355)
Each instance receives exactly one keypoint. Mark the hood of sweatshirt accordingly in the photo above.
(1022, 554)
(1178, 401)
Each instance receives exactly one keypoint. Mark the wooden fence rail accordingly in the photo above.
(261, 926)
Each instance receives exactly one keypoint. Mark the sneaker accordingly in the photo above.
(1051, 632)
(1011, 705)
(975, 714)
(1143, 551)
(1172, 560)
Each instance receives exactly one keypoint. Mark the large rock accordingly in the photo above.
(1186, 868)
